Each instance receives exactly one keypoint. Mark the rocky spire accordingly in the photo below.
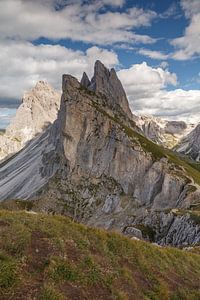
(85, 80)
(107, 83)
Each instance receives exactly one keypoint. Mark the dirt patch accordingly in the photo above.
(94, 292)
(72, 291)
(72, 252)
(128, 289)
(37, 253)
(100, 292)
(138, 275)
(4, 223)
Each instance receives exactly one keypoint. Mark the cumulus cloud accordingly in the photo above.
(146, 90)
(188, 45)
(191, 7)
(141, 80)
(178, 104)
(24, 64)
(29, 20)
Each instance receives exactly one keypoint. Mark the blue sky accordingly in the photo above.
(154, 45)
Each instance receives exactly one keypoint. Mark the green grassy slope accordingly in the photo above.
(50, 257)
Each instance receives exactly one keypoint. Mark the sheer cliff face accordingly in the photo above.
(97, 142)
(111, 170)
(94, 164)
(39, 109)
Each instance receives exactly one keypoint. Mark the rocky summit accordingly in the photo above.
(163, 132)
(38, 109)
(95, 165)
(190, 144)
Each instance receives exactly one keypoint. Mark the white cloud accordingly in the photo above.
(188, 45)
(24, 64)
(141, 80)
(112, 2)
(164, 64)
(153, 54)
(178, 104)
(172, 11)
(29, 20)
(191, 7)
(146, 90)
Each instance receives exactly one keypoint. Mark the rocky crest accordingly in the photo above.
(39, 108)
(95, 165)
(163, 132)
(190, 144)
(106, 83)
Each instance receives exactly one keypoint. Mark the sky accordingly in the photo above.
(154, 45)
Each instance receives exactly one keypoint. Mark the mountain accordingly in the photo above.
(95, 165)
(51, 257)
(39, 108)
(190, 144)
(163, 132)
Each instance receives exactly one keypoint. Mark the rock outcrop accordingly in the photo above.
(175, 227)
(163, 132)
(190, 144)
(94, 164)
(105, 83)
(39, 108)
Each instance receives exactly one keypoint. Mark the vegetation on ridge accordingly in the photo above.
(157, 152)
(51, 257)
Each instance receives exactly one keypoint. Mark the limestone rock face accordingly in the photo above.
(105, 82)
(111, 169)
(31, 168)
(39, 109)
(163, 132)
(94, 164)
(175, 228)
(85, 80)
(190, 144)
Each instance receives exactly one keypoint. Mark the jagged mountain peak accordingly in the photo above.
(42, 93)
(106, 82)
(69, 81)
(85, 80)
(42, 84)
(38, 109)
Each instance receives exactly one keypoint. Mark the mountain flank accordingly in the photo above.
(95, 165)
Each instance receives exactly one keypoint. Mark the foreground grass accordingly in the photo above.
(50, 257)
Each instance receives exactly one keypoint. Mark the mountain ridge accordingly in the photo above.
(95, 165)
(37, 111)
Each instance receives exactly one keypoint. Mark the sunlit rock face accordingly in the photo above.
(95, 164)
(39, 109)
(163, 132)
(190, 144)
